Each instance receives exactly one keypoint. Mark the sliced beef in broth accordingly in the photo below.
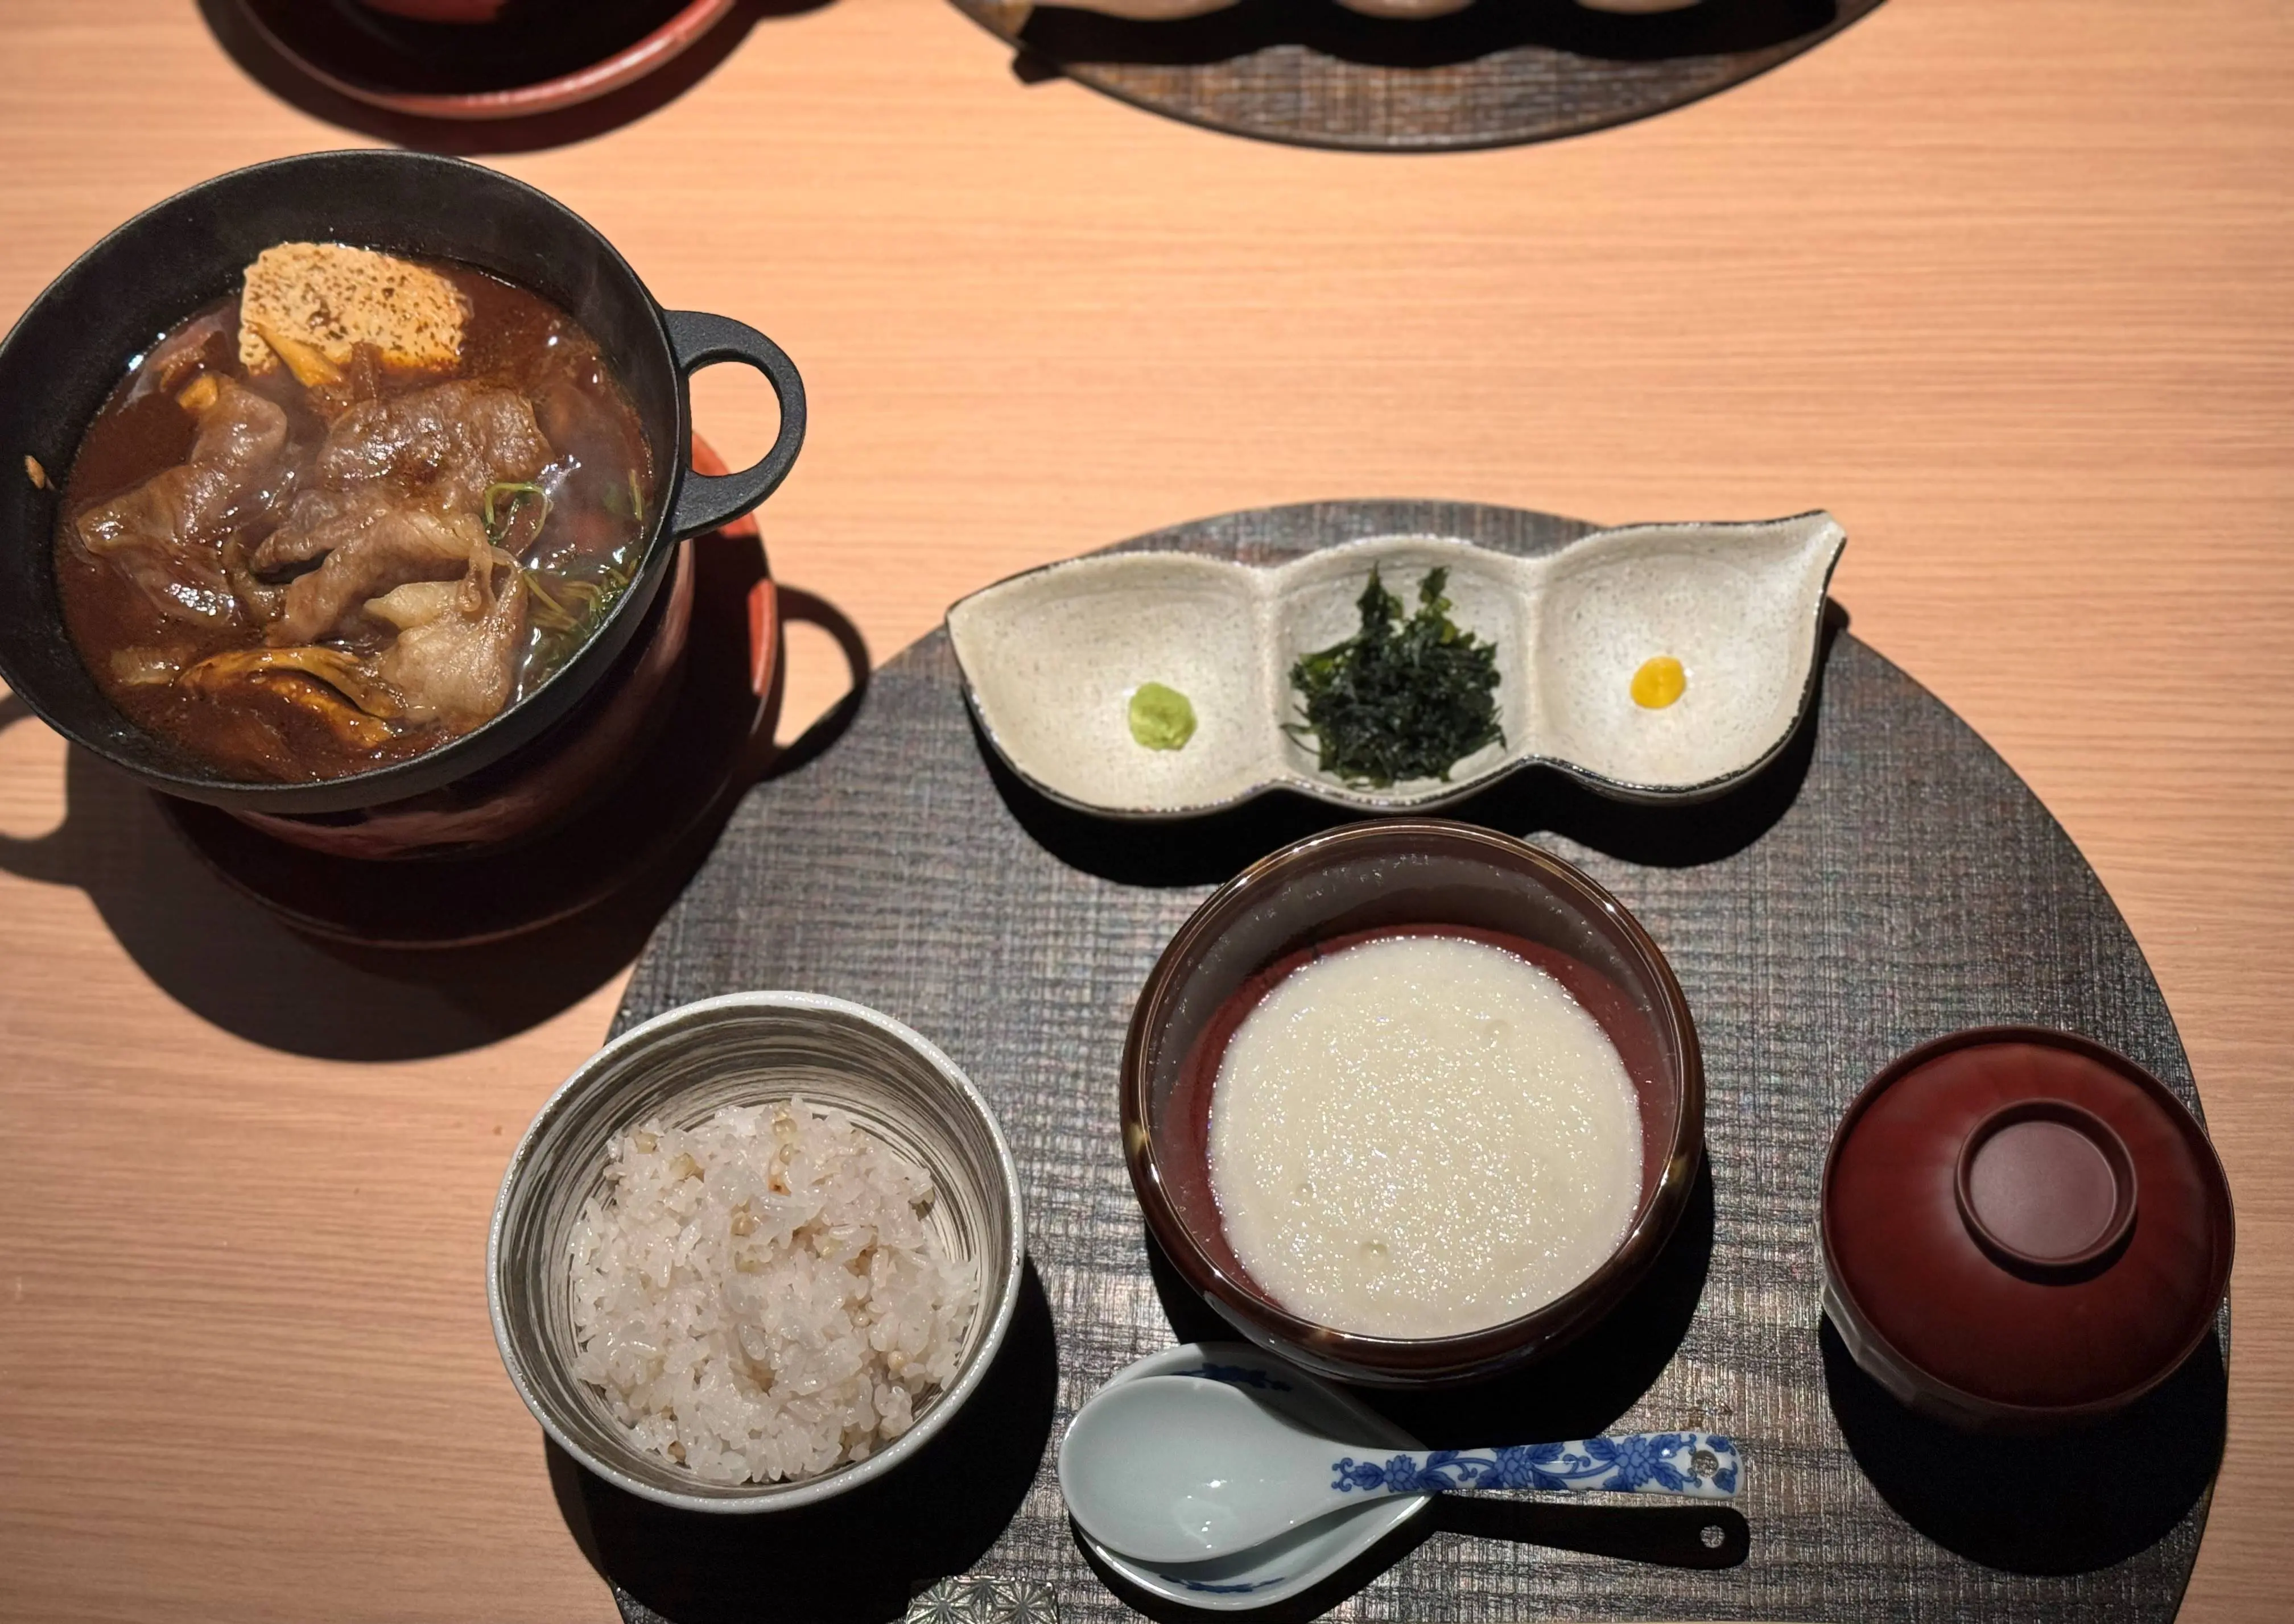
(444, 446)
(455, 657)
(402, 545)
(318, 522)
(300, 559)
(166, 534)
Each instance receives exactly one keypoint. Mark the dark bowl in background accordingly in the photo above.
(440, 11)
(73, 345)
(1363, 877)
(481, 60)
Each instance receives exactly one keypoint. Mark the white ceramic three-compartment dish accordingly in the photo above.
(1052, 658)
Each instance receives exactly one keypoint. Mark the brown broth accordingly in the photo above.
(603, 489)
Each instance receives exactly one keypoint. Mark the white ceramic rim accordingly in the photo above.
(769, 1496)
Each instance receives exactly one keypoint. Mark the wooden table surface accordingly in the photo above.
(2010, 288)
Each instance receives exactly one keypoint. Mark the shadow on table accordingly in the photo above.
(860, 1557)
(329, 35)
(1578, 1391)
(1057, 34)
(235, 963)
(1309, 1604)
(2068, 1504)
(1210, 850)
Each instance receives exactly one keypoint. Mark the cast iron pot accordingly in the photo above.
(76, 341)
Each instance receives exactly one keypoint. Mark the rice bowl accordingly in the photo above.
(759, 1298)
(750, 1056)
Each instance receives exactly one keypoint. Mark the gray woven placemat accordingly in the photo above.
(1498, 74)
(1890, 879)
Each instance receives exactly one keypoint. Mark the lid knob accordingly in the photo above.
(2048, 1188)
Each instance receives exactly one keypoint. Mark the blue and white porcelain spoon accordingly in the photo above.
(1189, 1468)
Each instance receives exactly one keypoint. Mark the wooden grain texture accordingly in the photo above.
(1314, 73)
(2006, 287)
(1887, 881)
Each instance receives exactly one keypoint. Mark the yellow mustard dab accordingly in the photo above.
(1659, 682)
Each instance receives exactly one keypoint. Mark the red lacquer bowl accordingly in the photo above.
(439, 11)
(2024, 1231)
(458, 60)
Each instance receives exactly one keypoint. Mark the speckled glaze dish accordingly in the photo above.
(1051, 658)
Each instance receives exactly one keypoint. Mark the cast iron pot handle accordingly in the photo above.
(697, 340)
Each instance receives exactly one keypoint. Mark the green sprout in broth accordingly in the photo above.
(518, 491)
(566, 612)
(636, 510)
(567, 609)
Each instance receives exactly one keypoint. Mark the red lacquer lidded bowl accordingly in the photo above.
(2023, 1229)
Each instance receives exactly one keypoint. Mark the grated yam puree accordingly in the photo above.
(759, 1298)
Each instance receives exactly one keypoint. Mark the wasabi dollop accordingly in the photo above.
(1161, 717)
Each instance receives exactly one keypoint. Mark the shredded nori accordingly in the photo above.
(1389, 703)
